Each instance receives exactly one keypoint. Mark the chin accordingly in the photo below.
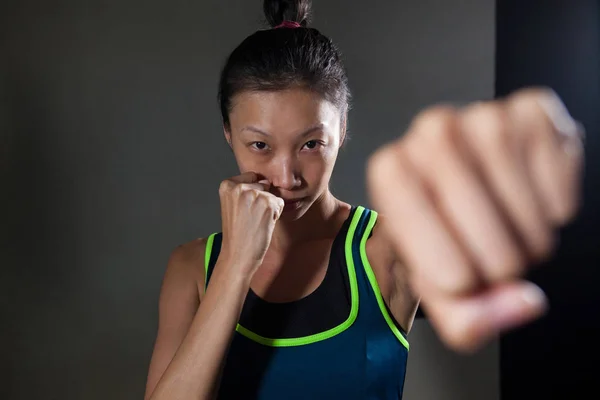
(295, 212)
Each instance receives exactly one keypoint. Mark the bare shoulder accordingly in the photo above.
(391, 275)
(186, 263)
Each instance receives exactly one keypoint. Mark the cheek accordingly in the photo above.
(319, 168)
(245, 165)
(247, 161)
(262, 165)
(329, 158)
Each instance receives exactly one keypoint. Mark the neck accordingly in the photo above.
(312, 225)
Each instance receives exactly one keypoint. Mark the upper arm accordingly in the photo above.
(392, 277)
(178, 302)
(403, 302)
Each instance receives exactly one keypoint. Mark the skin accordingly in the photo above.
(485, 186)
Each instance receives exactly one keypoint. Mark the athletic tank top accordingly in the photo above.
(339, 342)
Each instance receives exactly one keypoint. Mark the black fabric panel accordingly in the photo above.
(214, 255)
(327, 307)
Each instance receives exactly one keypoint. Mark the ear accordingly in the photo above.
(227, 133)
(343, 126)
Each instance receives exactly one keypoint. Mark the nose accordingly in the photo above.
(285, 173)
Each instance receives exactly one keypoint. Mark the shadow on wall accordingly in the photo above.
(436, 373)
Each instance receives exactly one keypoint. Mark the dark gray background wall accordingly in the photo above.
(555, 357)
(111, 154)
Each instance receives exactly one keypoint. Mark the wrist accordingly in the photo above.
(235, 269)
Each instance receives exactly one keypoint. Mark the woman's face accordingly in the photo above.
(291, 138)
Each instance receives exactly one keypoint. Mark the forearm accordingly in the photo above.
(195, 369)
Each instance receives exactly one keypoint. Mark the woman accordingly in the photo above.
(303, 296)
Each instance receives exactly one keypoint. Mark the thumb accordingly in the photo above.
(466, 323)
(246, 177)
(281, 205)
(265, 184)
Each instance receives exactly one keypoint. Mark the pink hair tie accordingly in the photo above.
(288, 24)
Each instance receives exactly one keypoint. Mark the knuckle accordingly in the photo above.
(225, 186)
(436, 126)
(539, 115)
(487, 124)
(382, 160)
(544, 105)
(527, 102)
(273, 207)
(238, 190)
(434, 116)
(385, 165)
(262, 198)
(535, 94)
(251, 194)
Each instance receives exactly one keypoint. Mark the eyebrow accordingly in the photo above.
(264, 133)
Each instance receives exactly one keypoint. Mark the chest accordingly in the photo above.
(293, 274)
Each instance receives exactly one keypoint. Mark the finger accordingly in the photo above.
(278, 205)
(466, 323)
(462, 198)
(489, 134)
(554, 150)
(265, 183)
(261, 187)
(246, 177)
(273, 203)
(416, 231)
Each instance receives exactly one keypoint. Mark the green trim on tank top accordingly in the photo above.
(373, 280)
(207, 254)
(300, 341)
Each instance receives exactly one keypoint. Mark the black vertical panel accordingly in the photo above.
(556, 43)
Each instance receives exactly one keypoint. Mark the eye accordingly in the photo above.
(259, 145)
(311, 144)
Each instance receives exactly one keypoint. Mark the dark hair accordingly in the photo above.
(282, 58)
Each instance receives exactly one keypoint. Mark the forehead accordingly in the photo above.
(276, 110)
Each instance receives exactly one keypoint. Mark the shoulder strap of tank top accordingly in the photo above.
(213, 248)
(364, 231)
